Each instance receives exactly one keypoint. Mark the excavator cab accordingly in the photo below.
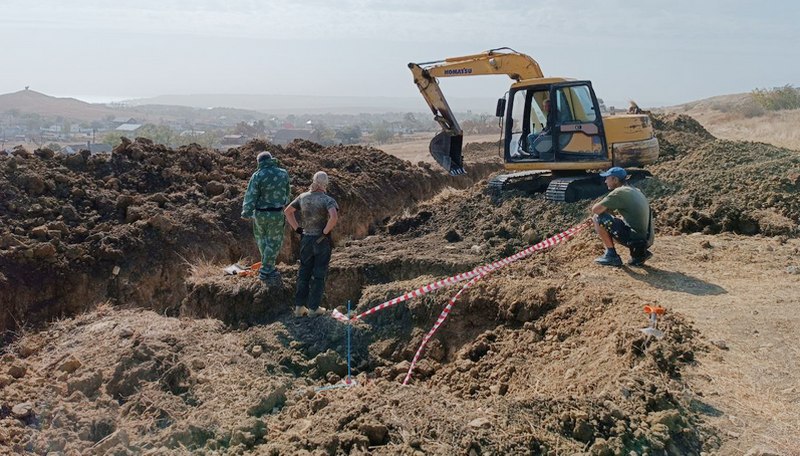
(554, 123)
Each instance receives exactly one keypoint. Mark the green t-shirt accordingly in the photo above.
(634, 208)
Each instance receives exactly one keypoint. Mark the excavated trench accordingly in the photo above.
(127, 229)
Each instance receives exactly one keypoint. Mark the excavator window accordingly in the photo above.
(579, 128)
(530, 135)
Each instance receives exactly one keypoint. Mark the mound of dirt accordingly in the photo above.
(531, 361)
(80, 229)
(706, 185)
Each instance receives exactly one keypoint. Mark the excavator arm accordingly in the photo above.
(446, 146)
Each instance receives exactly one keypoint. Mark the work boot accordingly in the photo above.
(609, 259)
(317, 312)
(301, 311)
(639, 260)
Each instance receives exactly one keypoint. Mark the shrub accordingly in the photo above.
(777, 98)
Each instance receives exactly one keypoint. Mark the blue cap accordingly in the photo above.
(617, 172)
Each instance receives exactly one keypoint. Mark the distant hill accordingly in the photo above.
(718, 103)
(32, 102)
(305, 104)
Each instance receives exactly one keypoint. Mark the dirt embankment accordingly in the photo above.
(82, 229)
(544, 357)
(531, 361)
(702, 184)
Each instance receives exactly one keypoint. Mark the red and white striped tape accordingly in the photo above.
(486, 271)
(480, 270)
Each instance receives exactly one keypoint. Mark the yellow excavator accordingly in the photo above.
(554, 135)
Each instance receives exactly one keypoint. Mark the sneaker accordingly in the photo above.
(317, 312)
(639, 261)
(609, 260)
(301, 311)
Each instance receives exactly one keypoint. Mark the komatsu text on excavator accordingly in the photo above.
(554, 135)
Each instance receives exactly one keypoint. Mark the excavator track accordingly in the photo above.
(571, 189)
(529, 181)
(584, 187)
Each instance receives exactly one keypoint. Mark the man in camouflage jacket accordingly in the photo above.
(267, 194)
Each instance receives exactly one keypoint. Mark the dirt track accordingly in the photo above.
(542, 357)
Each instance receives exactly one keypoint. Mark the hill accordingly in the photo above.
(737, 117)
(307, 104)
(32, 102)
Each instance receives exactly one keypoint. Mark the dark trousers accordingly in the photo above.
(314, 259)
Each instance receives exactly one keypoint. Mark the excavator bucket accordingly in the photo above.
(446, 150)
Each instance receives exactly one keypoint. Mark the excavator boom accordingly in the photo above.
(445, 147)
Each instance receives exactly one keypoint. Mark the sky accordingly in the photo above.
(656, 52)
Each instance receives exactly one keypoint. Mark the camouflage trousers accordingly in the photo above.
(268, 230)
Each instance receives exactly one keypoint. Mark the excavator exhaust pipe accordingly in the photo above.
(446, 150)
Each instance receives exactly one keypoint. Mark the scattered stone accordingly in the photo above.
(794, 270)
(125, 332)
(133, 214)
(256, 351)
(215, 188)
(479, 423)
(44, 251)
(69, 213)
(161, 223)
(87, 384)
(27, 348)
(40, 232)
(17, 370)
(706, 244)
(329, 361)
(70, 365)
(5, 380)
(33, 184)
(22, 411)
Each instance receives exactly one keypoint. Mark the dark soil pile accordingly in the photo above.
(75, 230)
(702, 184)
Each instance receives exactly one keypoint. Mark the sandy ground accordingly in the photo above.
(415, 149)
(740, 296)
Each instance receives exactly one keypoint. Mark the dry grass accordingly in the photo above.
(203, 268)
(775, 127)
(778, 128)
